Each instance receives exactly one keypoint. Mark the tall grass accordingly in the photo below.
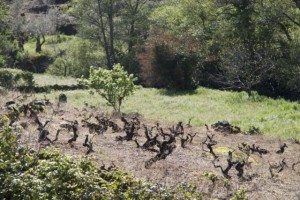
(205, 106)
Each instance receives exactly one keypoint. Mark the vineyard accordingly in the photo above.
(215, 161)
(149, 99)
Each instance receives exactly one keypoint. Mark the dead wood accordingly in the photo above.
(166, 147)
(192, 137)
(257, 149)
(294, 164)
(279, 167)
(281, 148)
(230, 164)
(209, 142)
(108, 169)
(150, 142)
(225, 127)
(130, 133)
(75, 132)
(98, 128)
(56, 136)
(240, 168)
(89, 144)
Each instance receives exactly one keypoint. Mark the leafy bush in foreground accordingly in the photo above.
(27, 174)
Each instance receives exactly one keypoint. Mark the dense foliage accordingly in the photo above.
(118, 26)
(247, 45)
(76, 59)
(7, 47)
(244, 45)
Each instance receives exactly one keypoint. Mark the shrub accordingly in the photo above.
(25, 78)
(10, 80)
(113, 85)
(176, 68)
(6, 79)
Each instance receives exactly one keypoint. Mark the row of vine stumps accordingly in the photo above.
(233, 163)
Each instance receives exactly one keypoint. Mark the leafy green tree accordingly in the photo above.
(18, 22)
(256, 43)
(246, 45)
(242, 68)
(175, 66)
(180, 35)
(134, 19)
(117, 25)
(99, 24)
(4, 35)
(76, 59)
(113, 85)
(39, 26)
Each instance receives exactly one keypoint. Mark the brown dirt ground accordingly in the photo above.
(184, 164)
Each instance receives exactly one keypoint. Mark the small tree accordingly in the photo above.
(38, 26)
(113, 85)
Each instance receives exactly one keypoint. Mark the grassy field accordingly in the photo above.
(52, 45)
(278, 118)
(46, 79)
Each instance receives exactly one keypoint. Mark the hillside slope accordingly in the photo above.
(191, 164)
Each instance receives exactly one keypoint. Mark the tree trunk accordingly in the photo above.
(21, 41)
(38, 46)
(65, 69)
(102, 32)
(131, 36)
(111, 33)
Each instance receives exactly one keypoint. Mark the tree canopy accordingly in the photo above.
(248, 45)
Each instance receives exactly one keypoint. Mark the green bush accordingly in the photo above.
(113, 85)
(28, 174)
(24, 78)
(6, 79)
(10, 80)
(2, 61)
(175, 67)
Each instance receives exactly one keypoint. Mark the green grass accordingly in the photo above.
(278, 118)
(51, 47)
(47, 79)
